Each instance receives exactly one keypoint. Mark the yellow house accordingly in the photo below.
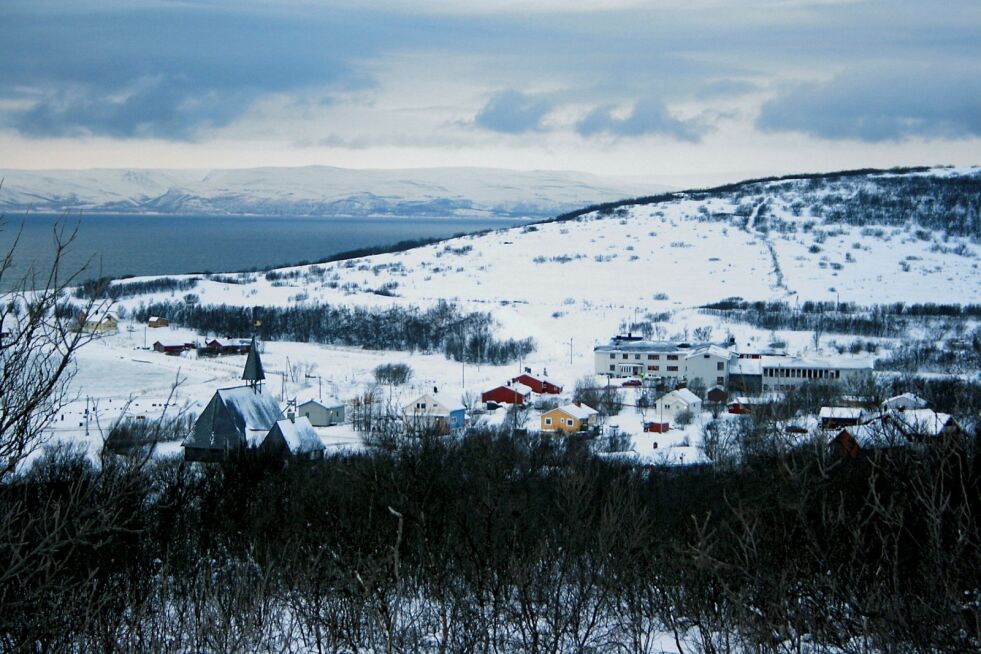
(99, 323)
(569, 418)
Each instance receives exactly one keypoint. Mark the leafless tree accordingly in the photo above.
(37, 349)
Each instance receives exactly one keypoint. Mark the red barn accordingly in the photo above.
(540, 385)
(513, 394)
(172, 349)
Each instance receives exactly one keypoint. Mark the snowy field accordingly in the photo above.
(568, 285)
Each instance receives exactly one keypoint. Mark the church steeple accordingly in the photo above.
(253, 373)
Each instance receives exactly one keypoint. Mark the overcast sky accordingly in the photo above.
(680, 89)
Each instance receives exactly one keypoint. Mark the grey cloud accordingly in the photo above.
(513, 112)
(648, 116)
(882, 103)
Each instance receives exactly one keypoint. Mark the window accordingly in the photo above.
(570, 422)
(626, 356)
(637, 357)
(612, 368)
(653, 368)
(720, 366)
(720, 380)
(672, 368)
(651, 357)
(672, 357)
(548, 422)
(613, 355)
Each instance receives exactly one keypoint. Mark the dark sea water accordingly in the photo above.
(118, 245)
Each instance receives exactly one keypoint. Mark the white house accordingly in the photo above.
(322, 413)
(426, 413)
(904, 402)
(706, 362)
(682, 399)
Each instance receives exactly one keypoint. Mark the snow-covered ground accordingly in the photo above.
(569, 286)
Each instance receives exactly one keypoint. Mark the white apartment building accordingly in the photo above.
(672, 361)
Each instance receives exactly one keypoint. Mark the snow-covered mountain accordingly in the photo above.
(312, 190)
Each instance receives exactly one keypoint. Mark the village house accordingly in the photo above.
(322, 413)
(156, 322)
(427, 414)
(677, 401)
(569, 418)
(172, 349)
(895, 429)
(97, 322)
(903, 402)
(514, 393)
(538, 384)
(743, 404)
(293, 438)
(836, 417)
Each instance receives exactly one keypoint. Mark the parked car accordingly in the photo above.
(632, 383)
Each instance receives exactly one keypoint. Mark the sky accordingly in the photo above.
(682, 91)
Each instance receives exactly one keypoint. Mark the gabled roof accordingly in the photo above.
(580, 411)
(235, 417)
(520, 388)
(919, 422)
(682, 394)
(328, 404)
(434, 407)
(905, 399)
(298, 435)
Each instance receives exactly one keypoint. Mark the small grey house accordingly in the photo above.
(293, 437)
(235, 418)
(322, 414)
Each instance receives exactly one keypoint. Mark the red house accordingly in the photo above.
(540, 385)
(172, 349)
(513, 394)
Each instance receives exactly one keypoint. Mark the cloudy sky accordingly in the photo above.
(682, 90)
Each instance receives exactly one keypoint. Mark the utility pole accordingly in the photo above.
(570, 351)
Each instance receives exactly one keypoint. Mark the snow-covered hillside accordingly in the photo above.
(572, 284)
(312, 190)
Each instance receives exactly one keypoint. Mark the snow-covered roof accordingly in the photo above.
(683, 395)
(650, 346)
(841, 412)
(712, 350)
(328, 404)
(906, 401)
(514, 386)
(234, 416)
(746, 367)
(578, 411)
(922, 422)
(299, 435)
(768, 361)
(766, 398)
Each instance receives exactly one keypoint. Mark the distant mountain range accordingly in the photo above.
(312, 190)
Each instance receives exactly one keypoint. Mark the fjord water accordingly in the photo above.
(118, 245)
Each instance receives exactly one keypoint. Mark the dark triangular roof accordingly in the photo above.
(253, 372)
(233, 419)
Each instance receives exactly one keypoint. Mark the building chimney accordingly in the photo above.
(291, 415)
